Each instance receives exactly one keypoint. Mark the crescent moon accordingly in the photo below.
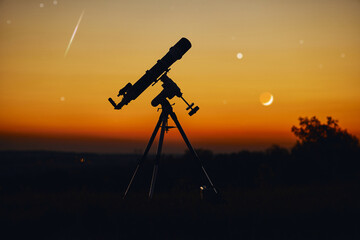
(270, 101)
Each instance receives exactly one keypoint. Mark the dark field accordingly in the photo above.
(265, 195)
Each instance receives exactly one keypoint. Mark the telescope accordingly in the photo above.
(157, 72)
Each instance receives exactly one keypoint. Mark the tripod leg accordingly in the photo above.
(174, 117)
(141, 160)
(158, 155)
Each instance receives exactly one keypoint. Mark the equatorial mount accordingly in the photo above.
(171, 90)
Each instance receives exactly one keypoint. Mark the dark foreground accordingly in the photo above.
(45, 195)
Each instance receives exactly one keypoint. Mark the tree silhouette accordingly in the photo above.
(312, 132)
(326, 150)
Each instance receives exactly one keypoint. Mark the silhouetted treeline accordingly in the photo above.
(307, 192)
(324, 153)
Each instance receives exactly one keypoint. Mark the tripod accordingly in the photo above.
(163, 120)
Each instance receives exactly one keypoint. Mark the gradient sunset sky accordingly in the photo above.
(305, 53)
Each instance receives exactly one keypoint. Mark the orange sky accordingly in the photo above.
(306, 53)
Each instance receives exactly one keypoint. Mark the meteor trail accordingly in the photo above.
(73, 35)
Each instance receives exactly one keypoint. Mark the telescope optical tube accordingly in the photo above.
(175, 53)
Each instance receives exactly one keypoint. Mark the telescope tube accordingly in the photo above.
(175, 53)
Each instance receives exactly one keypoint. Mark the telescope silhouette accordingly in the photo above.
(170, 89)
(131, 92)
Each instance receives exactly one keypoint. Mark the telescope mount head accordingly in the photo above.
(171, 90)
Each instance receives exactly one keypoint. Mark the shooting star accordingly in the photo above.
(73, 35)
